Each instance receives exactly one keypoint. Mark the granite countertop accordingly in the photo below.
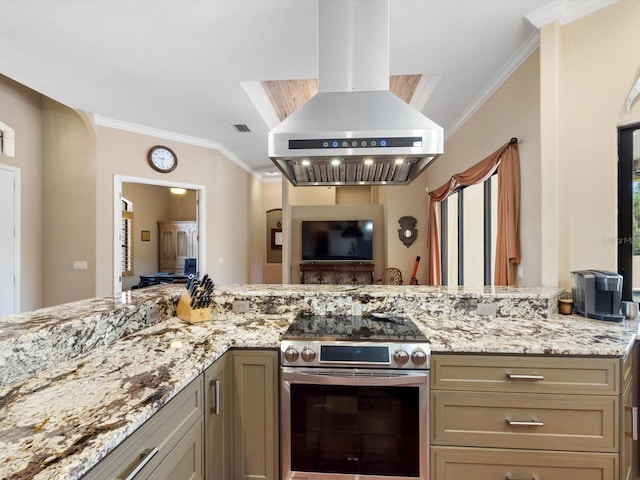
(62, 420)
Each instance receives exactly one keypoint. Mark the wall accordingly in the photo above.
(512, 111)
(271, 199)
(337, 212)
(592, 74)
(227, 195)
(68, 211)
(20, 109)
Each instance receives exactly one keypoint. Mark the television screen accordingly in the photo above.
(337, 240)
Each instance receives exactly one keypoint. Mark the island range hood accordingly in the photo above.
(354, 131)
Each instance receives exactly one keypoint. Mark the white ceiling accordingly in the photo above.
(178, 66)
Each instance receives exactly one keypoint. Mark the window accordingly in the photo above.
(468, 234)
(126, 239)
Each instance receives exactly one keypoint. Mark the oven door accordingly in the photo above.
(354, 423)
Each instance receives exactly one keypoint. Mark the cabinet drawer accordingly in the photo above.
(162, 432)
(588, 376)
(498, 464)
(511, 420)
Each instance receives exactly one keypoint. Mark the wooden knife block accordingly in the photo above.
(191, 315)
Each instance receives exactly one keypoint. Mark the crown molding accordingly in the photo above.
(514, 62)
(176, 137)
(565, 12)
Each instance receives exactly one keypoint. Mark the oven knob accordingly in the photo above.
(401, 356)
(308, 355)
(291, 354)
(419, 357)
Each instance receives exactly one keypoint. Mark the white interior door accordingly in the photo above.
(9, 246)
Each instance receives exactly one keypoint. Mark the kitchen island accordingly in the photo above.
(63, 419)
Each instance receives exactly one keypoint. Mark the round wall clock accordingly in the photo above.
(162, 159)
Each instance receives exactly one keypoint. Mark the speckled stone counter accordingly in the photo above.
(64, 419)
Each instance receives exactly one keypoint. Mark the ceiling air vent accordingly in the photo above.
(241, 127)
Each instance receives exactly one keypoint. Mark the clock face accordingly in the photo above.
(162, 159)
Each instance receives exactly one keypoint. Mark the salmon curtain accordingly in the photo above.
(506, 161)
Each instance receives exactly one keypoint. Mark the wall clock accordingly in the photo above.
(162, 159)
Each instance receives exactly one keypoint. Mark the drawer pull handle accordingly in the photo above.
(145, 458)
(529, 423)
(215, 408)
(515, 477)
(634, 421)
(517, 376)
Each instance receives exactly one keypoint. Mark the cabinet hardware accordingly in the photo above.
(215, 396)
(634, 420)
(516, 376)
(145, 458)
(528, 423)
(508, 476)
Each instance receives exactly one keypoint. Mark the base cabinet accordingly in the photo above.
(450, 463)
(241, 416)
(217, 416)
(517, 417)
(255, 416)
(168, 446)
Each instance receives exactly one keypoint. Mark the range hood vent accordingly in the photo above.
(354, 131)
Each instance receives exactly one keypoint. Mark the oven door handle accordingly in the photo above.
(357, 378)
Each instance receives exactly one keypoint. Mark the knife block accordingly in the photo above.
(185, 312)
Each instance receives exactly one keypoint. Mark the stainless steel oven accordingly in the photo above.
(353, 406)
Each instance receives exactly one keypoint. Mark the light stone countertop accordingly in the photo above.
(60, 422)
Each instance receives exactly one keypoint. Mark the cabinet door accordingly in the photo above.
(184, 462)
(254, 425)
(451, 463)
(217, 414)
(167, 248)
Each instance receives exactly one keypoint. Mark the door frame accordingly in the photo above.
(17, 208)
(201, 203)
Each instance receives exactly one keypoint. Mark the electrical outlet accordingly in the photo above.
(240, 306)
(486, 309)
(152, 315)
(80, 264)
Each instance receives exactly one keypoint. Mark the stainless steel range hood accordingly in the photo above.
(354, 131)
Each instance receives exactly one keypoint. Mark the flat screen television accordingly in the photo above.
(332, 240)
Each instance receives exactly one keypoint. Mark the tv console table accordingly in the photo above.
(345, 273)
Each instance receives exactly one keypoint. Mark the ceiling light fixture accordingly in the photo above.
(178, 191)
(335, 162)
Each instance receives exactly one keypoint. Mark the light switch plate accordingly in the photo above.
(80, 264)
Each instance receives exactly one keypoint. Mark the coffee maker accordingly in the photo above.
(597, 294)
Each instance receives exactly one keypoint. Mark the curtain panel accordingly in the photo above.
(506, 161)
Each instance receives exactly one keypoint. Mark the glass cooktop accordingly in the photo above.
(373, 327)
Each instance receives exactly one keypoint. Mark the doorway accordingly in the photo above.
(9, 240)
(144, 234)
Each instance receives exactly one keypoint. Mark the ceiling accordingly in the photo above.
(191, 69)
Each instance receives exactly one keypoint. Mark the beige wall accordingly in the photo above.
(336, 212)
(68, 210)
(597, 65)
(20, 110)
(227, 196)
(512, 111)
(271, 199)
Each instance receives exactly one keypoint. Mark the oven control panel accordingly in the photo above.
(302, 353)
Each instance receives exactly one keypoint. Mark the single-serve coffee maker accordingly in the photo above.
(597, 294)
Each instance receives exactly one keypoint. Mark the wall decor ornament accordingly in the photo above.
(407, 231)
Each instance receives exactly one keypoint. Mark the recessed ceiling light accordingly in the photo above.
(177, 191)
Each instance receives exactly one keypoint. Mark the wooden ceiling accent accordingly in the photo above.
(287, 96)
